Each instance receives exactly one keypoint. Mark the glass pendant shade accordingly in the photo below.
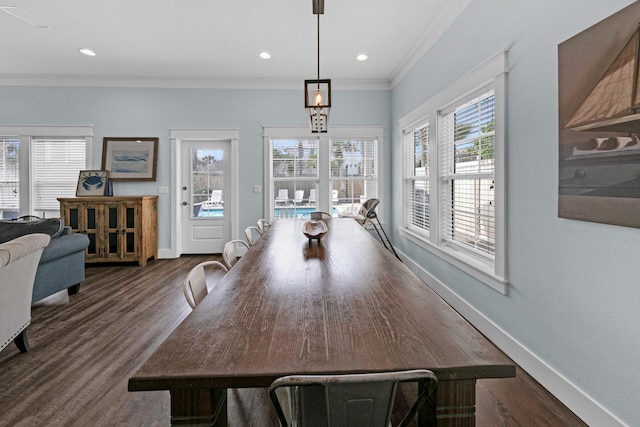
(317, 102)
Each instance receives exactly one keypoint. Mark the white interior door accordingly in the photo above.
(206, 196)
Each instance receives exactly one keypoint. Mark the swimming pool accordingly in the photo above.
(279, 212)
(297, 211)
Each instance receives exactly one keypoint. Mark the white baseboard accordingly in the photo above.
(589, 410)
(166, 254)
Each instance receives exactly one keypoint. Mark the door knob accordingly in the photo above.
(184, 203)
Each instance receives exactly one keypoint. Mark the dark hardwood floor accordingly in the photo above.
(84, 349)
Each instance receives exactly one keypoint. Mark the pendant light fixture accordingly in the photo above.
(317, 93)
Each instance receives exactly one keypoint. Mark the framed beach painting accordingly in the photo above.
(92, 183)
(130, 159)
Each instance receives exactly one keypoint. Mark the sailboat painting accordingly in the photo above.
(599, 122)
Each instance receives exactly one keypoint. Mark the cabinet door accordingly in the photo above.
(130, 228)
(72, 213)
(112, 231)
(90, 221)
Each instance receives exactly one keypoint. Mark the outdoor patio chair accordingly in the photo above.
(312, 196)
(215, 200)
(354, 400)
(334, 196)
(298, 195)
(283, 196)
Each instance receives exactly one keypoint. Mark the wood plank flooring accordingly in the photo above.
(84, 349)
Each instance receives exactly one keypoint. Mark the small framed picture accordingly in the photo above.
(92, 183)
(130, 159)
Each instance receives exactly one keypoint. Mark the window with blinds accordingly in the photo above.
(354, 175)
(416, 180)
(9, 178)
(55, 166)
(454, 156)
(467, 166)
(294, 172)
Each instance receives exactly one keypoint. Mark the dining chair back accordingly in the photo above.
(354, 400)
(195, 284)
(253, 233)
(263, 224)
(230, 254)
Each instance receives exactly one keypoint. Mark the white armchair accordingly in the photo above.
(19, 260)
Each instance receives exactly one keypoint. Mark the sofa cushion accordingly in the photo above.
(11, 229)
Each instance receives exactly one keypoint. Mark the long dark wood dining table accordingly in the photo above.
(343, 304)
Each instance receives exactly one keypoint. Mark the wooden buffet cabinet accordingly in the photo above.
(120, 229)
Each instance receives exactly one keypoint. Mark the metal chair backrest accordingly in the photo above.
(263, 224)
(253, 233)
(229, 253)
(195, 284)
(354, 400)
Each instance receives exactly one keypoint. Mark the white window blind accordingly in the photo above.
(55, 166)
(467, 174)
(416, 182)
(9, 176)
(354, 175)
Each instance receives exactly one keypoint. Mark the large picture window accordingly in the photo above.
(454, 177)
(333, 172)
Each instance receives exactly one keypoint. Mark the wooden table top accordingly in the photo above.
(343, 305)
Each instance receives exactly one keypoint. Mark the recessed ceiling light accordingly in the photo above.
(265, 55)
(362, 57)
(87, 51)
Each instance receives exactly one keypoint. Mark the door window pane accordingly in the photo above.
(207, 183)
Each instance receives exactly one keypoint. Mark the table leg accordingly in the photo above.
(452, 405)
(198, 407)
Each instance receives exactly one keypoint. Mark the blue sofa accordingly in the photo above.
(62, 262)
(61, 265)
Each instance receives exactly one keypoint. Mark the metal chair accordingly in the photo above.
(263, 224)
(229, 253)
(253, 233)
(354, 400)
(195, 284)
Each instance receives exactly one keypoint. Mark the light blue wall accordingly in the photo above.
(574, 293)
(152, 112)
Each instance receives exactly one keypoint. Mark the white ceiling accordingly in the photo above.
(217, 42)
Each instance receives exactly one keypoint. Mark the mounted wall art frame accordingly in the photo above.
(130, 159)
(92, 183)
(599, 123)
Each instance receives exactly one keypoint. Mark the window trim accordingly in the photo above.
(324, 173)
(492, 73)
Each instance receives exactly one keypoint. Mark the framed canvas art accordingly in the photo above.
(130, 159)
(599, 123)
(92, 183)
